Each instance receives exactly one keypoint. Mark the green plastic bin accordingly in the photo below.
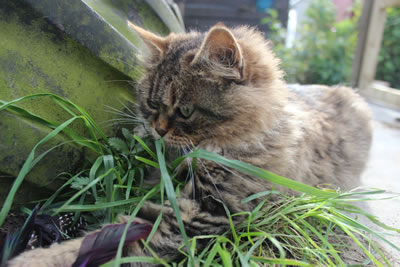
(81, 50)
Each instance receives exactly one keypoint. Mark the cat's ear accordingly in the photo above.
(220, 46)
(157, 45)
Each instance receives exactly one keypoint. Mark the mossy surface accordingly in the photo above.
(69, 49)
(38, 57)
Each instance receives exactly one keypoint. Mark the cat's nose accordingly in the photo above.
(161, 131)
(161, 125)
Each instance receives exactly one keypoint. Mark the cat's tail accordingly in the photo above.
(94, 249)
(58, 255)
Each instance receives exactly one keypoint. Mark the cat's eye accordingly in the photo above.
(152, 104)
(186, 111)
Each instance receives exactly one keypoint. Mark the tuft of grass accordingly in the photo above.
(317, 227)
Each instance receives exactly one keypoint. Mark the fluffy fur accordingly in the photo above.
(223, 91)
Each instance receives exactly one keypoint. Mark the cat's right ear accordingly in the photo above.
(221, 49)
(157, 45)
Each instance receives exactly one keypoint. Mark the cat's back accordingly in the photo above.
(337, 130)
(339, 104)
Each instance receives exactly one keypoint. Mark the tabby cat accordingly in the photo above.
(223, 91)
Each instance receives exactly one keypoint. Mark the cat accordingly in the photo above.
(223, 91)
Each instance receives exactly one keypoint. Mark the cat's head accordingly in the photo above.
(219, 87)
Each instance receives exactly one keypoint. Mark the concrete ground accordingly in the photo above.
(383, 172)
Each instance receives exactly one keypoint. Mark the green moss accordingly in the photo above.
(150, 20)
(32, 62)
(66, 49)
(35, 57)
(117, 13)
(19, 136)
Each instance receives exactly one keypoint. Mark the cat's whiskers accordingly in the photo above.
(190, 174)
(115, 111)
(230, 171)
(127, 118)
(127, 108)
(111, 123)
(121, 121)
(184, 150)
(211, 178)
(188, 149)
(179, 151)
(220, 165)
(193, 146)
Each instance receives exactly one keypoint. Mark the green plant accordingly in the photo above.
(389, 57)
(277, 37)
(295, 230)
(323, 51)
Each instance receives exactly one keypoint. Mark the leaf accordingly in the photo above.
(118, 144)
(145, 147)
(83, 190)
(148, 162)
(92, 173)
(225, 256)
(109, 164)
(131, 176)
(128, 135)
(30, 162)
(169, 188)
(258, 195)
(98, 206)
(100, 247)
(80, 182)
(128, 224)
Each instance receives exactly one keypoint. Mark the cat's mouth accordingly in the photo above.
(181, 142)
(178, 142)
(175, 139)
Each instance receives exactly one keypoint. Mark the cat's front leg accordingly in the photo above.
(218, 187)
(202, 207)
(168, 237)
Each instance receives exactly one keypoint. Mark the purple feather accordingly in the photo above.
(101, 247)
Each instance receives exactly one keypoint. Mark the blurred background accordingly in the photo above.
(316, 39)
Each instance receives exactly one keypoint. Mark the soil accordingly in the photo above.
(12, 223)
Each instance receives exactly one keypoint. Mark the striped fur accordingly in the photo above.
(223, 91)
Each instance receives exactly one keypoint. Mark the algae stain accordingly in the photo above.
(64, 68)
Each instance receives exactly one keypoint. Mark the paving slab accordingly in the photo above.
(383, 171)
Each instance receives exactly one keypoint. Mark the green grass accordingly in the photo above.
(306, 230)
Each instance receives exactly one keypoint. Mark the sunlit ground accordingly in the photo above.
(383, 169)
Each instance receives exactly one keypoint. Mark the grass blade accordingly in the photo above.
(264, 174)
(83, 190)
(131, 175)
(117, 262)
(148, 162)
(145, 147)
(92, 174)
(169, 188)
(27, 167)
(98, 206)
(108, 161)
